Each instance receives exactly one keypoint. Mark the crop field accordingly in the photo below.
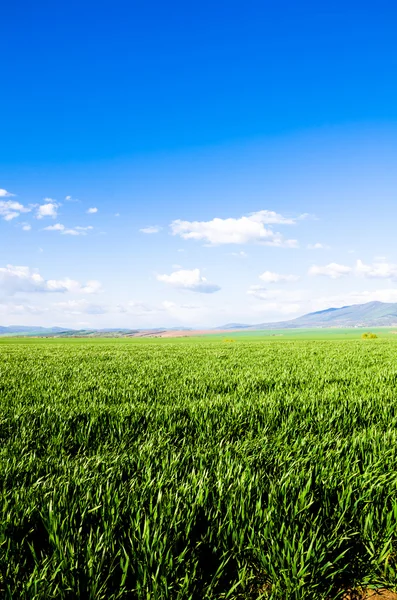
(163, 470)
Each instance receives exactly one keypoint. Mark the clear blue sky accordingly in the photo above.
(241, 158)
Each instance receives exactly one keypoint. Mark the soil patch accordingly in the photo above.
(380, 594)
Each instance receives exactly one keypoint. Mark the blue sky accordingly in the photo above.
(240, 158)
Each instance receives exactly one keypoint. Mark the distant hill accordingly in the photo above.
(234, 326)
(371, 314)
(27, 330)
(59, 332)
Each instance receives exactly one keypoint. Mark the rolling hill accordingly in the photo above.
(371, 314)
(27, 330)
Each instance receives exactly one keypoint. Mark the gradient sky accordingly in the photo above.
(179, 164)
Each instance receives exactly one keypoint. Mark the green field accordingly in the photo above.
(156, 469)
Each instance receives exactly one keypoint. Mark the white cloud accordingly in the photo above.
(10, 209)
(151, 229)
(72, 231)
(189, 280)
(15, 279)
(70, 285)
(244, 230)
(92, 211)
(93, 286)
(26, 227)
(77, 231)
(56, 227)
(317, 246)
(269, 277)
(333, 270)
(378, 270)
(5, 194)
(48, 209)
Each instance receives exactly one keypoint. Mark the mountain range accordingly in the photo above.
(371, 314)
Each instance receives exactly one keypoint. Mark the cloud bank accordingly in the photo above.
(189, 280)
(18, 279)
(244, 230)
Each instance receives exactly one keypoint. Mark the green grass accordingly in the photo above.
(161, 469)
(351, 333)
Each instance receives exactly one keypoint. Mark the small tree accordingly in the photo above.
(369, 336)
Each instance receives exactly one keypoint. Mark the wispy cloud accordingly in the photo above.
(332, 270)
(252, 228)
(72, 232)
(378, 270)
(189, 280)
(151, 229)
(5, 194)
(307, 217)
(92, 211)
(68, 231)
(10, 209)
(56, 227)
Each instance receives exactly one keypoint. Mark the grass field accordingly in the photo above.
(336, 333)
(197, 469)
